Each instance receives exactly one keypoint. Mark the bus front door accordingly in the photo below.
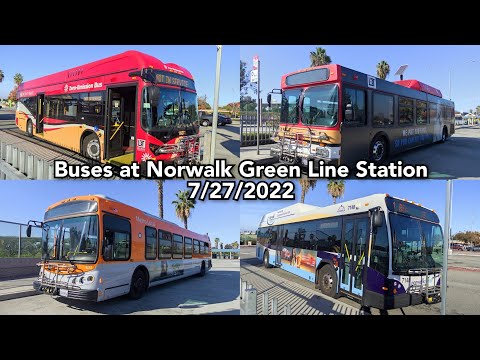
(40, 113)
(354, 250)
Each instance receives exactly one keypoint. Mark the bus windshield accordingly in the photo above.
(320, 105)
(290, 102)
(417, 244)
(168, 108)
(71, 239)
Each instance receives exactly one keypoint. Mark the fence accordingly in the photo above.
(248, 302)
(19, 164)
(14, 242)
(248, 129)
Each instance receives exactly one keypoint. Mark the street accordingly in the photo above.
(217, 294)
(463, 292)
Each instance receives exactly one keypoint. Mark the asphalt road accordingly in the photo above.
(216, 294)
(463, 291)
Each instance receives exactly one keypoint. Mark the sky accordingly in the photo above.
(428, 64)
(429, 193)
(34, 61)
(28, 200)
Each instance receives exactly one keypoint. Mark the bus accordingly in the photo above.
(379, 250)
(341, 116)
(124, 108)
(95, 248)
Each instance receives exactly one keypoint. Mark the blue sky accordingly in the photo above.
(39, 60)
(429, 193)
(28, 200)
(429, 64)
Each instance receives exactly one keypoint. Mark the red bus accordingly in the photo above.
(124, 108)
(340, 115)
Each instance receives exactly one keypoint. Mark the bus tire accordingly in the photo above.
(378, 149)
(91, 147)
(29, 129)
(138, 286)
(266, 260)
(327, 281)
(202, 270)
(444, 135)
(205, 123)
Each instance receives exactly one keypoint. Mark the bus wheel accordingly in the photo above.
(91, 147)
(378, 149)
(205, 123)
(138, 285)
(30, 128)
(444, 135)
(327, 281)
(202, 269)
(266, 259)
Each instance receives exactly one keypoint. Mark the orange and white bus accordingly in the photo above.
(127, 107)
(96, 248)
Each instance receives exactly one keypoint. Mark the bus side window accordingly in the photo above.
(354, 113)
(117, 238)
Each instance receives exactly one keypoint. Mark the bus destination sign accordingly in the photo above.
(406, 208)
(169, 78)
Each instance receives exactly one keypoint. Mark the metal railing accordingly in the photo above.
(248, 302)
(248, 130)
(14, 242)
(19, 164)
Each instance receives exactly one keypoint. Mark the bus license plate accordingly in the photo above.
(64, 292)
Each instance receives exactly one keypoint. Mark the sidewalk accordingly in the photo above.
(13, 289)
(264, 158)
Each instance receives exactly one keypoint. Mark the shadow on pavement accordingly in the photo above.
(186, 292)
(7, 116)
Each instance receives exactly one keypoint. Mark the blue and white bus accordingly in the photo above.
(382, 251)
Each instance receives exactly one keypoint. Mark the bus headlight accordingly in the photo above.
(86, 279)
(323, 152)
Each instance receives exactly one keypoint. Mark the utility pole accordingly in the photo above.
(259, 110)
(446, 245)
(215, 105)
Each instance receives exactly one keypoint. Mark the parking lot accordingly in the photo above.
(463, 291)
(216, 294)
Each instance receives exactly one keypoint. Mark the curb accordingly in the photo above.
(18, 295)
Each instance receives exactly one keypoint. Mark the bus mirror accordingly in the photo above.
(29, 230)
(348, 113)
(269, 100)
(377, 219)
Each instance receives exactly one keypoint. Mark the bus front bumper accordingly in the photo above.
(387, 302)
(302, 154)
(77, 294)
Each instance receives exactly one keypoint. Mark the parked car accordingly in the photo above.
(206, 119)
(228, 120)
(456, 247)
(476, 248)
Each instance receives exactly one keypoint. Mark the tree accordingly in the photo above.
(12, 96)
(336, 189)
(160, 198)
(235, 245)
(471, 111)
(184, 206)
(319, 57)
(244, 80)
(203, 104)
(383, 69)
(468, 237)
(306, 186)
(2, 75)
(248, 104)
(478, 110)
(18, 79)
(217, 240)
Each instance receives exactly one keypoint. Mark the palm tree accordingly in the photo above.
(235, 244)
(306, 186)
(336, 189)
(2, 75)
(319, 57)
(183, 206)
(217, 240)
(160, 198)
(18, 79)
(383, 69)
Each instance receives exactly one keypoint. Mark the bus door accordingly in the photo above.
(279, 246)
(356, 232)
(40, 113)
(120, 124)
(354, 132)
